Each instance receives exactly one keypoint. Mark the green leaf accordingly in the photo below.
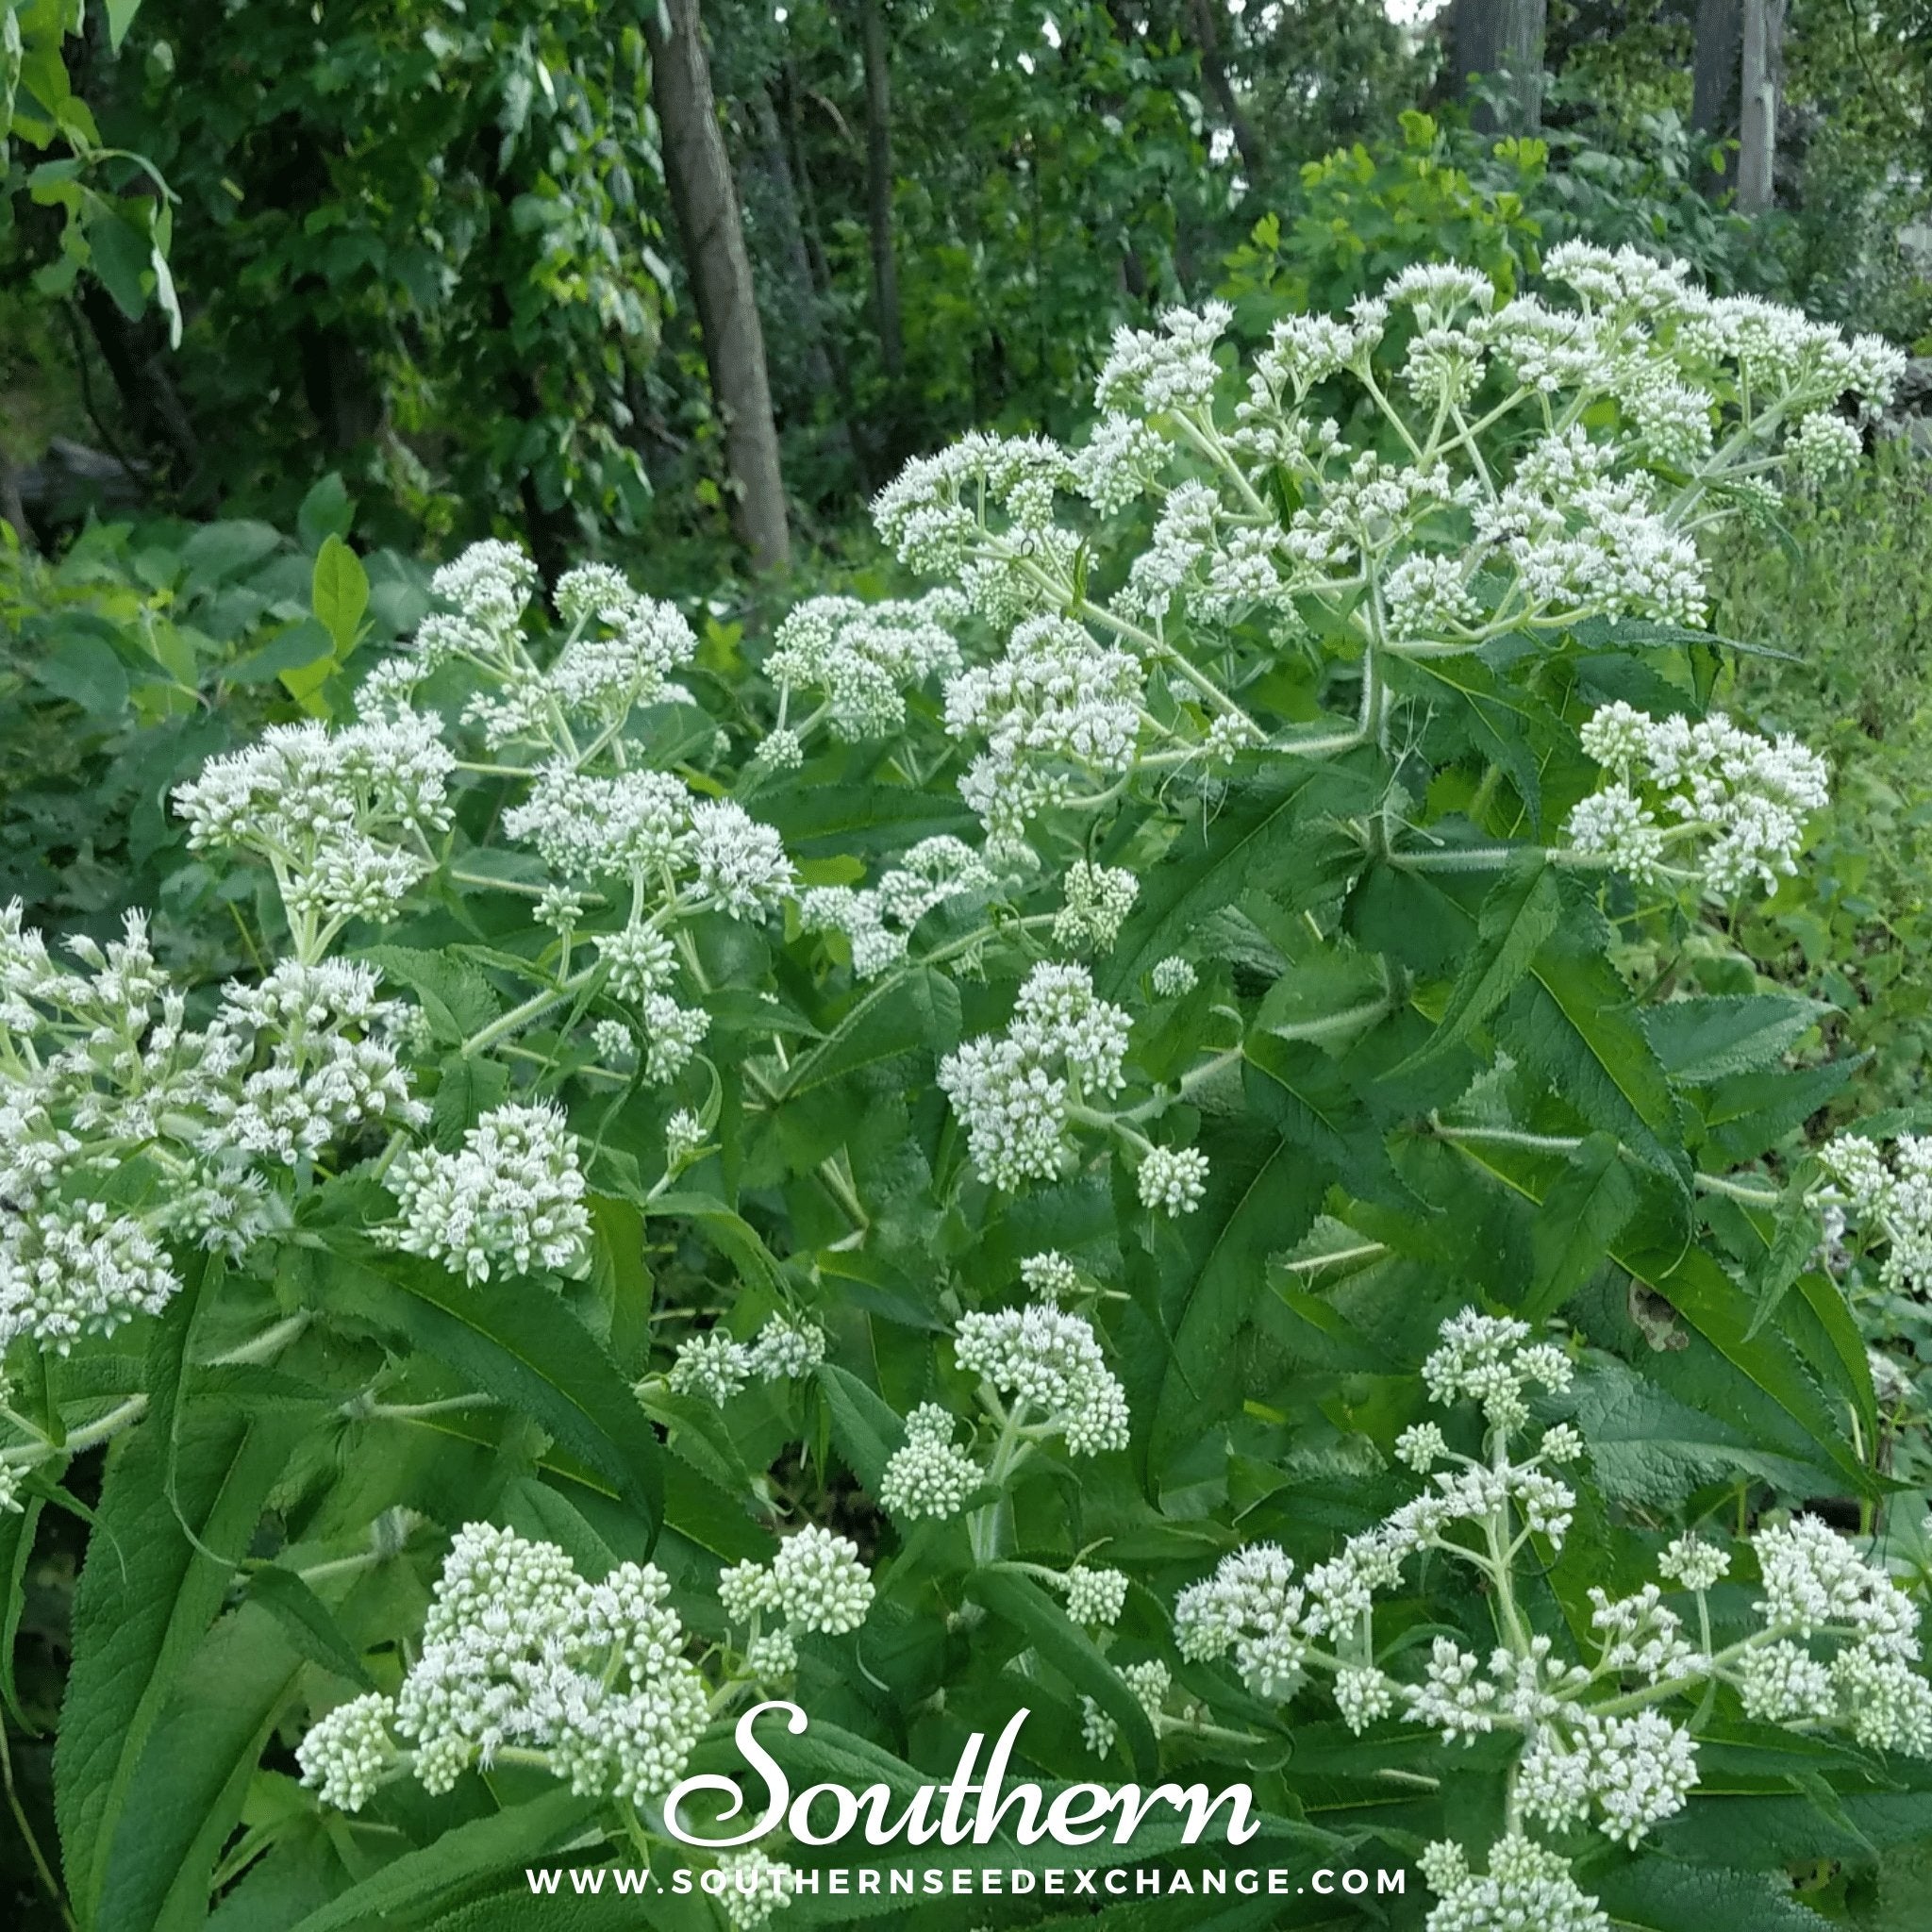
(306, 1621)
(1574, 1023)
(218, 551)
(1703, 1040)
(120, 18)
(456, 998)
(1281, 838)
(327, 510)
(86, 672)
(298, 648)
(145, 1599)
(17, 1527)
(1522, 911)
(916, 1011)
(420, 1880)
(865, 1426)
(194, 1773)
(1793, 1240)
(1654, 1895)
(1306, 1097)
(520, 1342)
(729, 1232)
(1061, 1643)
(339, 593)
(1581, 1215)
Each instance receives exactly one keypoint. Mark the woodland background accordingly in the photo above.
(681, 287)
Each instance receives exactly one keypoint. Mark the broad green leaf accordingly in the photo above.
(339, 593)
(218, 551)
(534, 1509)
(86, 672)
(1793, 1241)
(1580, 1216)
(144, 1602)
(1703, 1040)
(520, 1341)
(420, 1880)
(732, 1234)
(120, 18)
(194, 1773)
(1573, 1022)
(328, 511)
(866, 1428)
(1063, 1645)
(1306, 1097)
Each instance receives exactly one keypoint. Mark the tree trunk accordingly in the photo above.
(878, 186)
(1504, 38)
(704, 200)
(826, 377)
(1763, 63)
(1714, 80)
(1214, 73)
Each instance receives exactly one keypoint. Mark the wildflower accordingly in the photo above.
(928, 1477)
(512, 1198)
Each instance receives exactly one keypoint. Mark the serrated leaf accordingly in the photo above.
(1655, 1895)
(865, 1426)
(519, 1341)
(145, 1599)
(1703, 1040)
(1590, 1206)
(194, 1773)
(306, 1621)
(418, 1881)
(1061, 1643)
(455, 996)
(1573, 1022)
(17, 1527)
(1520, 913)
(1307, 1098)
(1794, 1239)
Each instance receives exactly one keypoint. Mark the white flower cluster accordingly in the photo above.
(928, 1475)
(864, 657)
(1173, 1180)
(509, 1199)
(716, 1366)
(1016, 1092)
(815, 1582)
(103, 1081)
(1099, 897)
(1733, 804)
(1095, 1597)
(1526, 1889)
(879, 923)
(1835, 1641)
(1892, 1196)
(1047, 1362)
(621, 652)
(519, 1654)
(341, 816)
(1061, 709)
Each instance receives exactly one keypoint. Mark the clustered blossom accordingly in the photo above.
(815, 1583)
(101, 1078)
(716, 1366)
(1095, 1597)
(1890, 1195)
(928, 1477)
(339, 815)
(1047, 1362)
(1175, 976)
(879, 923)
(1835, 1641)
(862, 657)
(1016, 1092)
(510, 1201)
(1173, 1180)
(1099, 898)
(1709, 798)
(521, 1653)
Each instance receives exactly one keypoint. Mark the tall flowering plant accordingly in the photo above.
(1082, 1143)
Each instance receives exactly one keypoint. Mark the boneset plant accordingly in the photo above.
(931, 1182)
